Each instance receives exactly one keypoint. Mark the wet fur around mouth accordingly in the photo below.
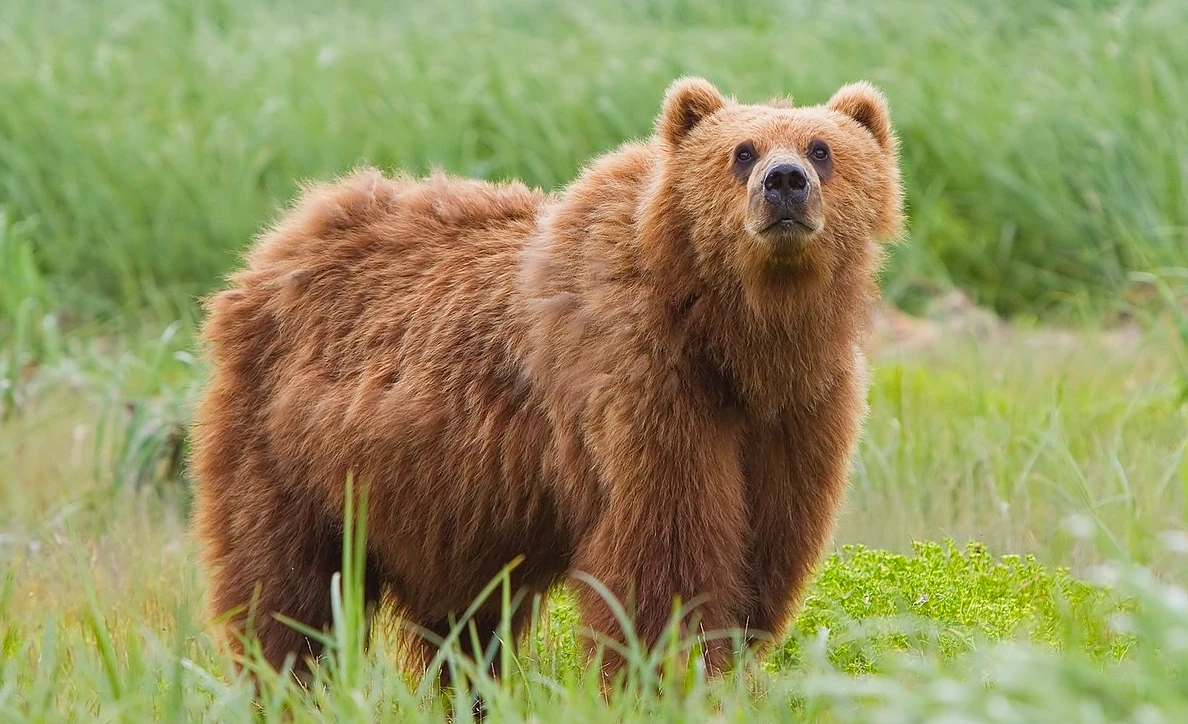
(789, 223)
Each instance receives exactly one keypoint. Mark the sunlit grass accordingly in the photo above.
(100, 609)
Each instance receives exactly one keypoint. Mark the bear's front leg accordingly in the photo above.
(796, 470)
(672, 522)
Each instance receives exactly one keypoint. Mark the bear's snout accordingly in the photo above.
(786, 185)
(787, 200)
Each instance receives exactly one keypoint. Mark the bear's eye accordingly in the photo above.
(821, 158)
(744, 159)
(745, 153)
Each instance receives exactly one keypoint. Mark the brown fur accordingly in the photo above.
(625, 379)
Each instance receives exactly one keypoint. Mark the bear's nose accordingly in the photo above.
(786, 184)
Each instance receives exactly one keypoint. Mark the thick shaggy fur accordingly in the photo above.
(627, 379)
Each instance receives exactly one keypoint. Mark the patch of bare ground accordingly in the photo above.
(955, 317)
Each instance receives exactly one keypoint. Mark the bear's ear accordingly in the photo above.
(687, 102)
(866, 104)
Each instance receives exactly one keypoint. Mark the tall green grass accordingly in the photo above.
(1008, 440)
(142, 143)
(103, 650)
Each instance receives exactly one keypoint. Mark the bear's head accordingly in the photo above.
(776, 192)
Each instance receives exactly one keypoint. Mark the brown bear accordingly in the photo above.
(652, 377)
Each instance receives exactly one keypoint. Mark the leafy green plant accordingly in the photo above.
(1018, 680)
(949, 599)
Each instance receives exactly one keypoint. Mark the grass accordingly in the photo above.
(1014, 544)
(144, 659)
(1006, 441)
(1044, 142)
(1081, 436)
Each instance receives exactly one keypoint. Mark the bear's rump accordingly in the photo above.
(392, 352)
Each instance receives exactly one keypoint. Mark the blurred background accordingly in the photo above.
(145, 141)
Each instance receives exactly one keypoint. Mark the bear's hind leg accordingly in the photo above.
(280, 558)
(485, 628)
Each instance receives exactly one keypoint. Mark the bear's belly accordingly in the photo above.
(458, 485)
(439, 562)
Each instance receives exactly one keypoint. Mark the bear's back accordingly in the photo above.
(375, 329)
(368, 276)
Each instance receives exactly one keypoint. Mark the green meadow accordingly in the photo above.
(1015, 541)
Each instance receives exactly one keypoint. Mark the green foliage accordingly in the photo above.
(1005, 441)
(1025, 682)
(1044, 143)
(866, 603)
(947, 598)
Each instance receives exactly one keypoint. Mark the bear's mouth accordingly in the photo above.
(790, 223)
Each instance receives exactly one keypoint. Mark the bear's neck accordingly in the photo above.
(776, 341)
(781, 356)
